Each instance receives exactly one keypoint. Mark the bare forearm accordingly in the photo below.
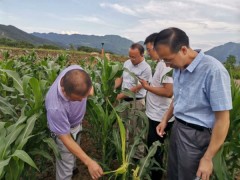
(134, 89)
(118, 83)
(74, 148)
(137, 88)
(160, 91)
(169, 114)
(219, 133)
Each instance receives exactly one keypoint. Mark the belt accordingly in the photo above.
(131, 99)
(194, 126)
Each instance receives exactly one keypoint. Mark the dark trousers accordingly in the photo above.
(187, 147)
(152, 137)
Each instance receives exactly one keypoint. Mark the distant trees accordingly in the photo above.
(230, 62)
(88, 49)
(71, 47)
(47, 46)
(23, 44)
(232, 67)
(13, 43)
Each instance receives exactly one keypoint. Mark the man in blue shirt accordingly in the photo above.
(202, 100)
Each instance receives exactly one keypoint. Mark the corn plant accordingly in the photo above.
(227, 160)
(126, 164)
(23, 126)
(100, 114)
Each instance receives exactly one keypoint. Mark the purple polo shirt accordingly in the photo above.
(62, 114)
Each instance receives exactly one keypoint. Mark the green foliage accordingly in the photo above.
(23, 44)
(23, 126)
(101, 115)
(230, 62)
(26, 144)
(48, 46)
(227, 161)
(232, 67)
(13, 43)
(88, 49)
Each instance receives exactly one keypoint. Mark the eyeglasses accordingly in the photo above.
(150, 49)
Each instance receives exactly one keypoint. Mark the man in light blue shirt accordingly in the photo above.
(202, 100)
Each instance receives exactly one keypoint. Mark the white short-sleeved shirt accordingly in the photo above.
(141, 70)
(157, 105)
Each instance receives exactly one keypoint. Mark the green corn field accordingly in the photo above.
(26, 145)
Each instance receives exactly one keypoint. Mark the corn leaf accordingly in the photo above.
(24, 157)
(16, 79)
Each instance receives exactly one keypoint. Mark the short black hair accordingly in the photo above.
(151, 38)
(138, 46)
(175, 38)
(77, 82)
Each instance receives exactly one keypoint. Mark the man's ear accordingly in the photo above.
(91, 92)
(61, 82)
(184, 50)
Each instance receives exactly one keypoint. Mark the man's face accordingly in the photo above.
(135, 56)
(75, 97)
(151, 51)
(172, 59)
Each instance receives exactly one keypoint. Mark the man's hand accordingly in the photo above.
(205, 168)
(94, 169)
(120, 96)
(144, 83)
(160, 128)
(219, 134)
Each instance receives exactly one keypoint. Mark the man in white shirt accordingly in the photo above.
(137, 65)
(158, 100)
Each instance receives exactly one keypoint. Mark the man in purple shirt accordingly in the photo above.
(66, 106)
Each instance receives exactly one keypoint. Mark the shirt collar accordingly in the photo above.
(139, 63)
(60, 91)
(196, 61)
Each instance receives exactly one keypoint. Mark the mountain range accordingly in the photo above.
(112, 43)
(223, 51)
(14, 33)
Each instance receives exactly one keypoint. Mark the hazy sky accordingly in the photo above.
(207, 22)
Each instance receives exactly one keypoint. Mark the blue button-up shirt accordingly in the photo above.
(200, 90)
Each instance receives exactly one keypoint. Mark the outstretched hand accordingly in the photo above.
(95, 170)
